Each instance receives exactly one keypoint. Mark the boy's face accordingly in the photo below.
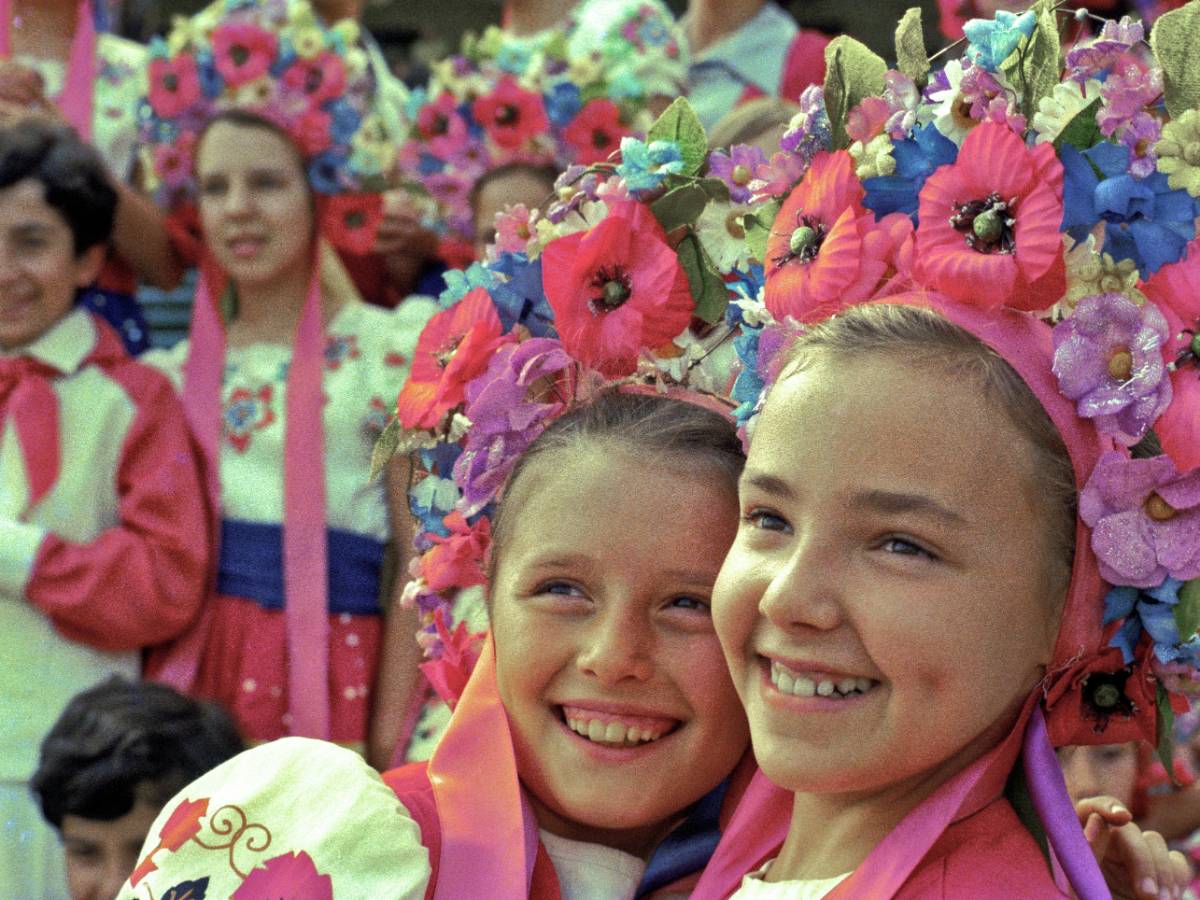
(39, 271)
(101, 855)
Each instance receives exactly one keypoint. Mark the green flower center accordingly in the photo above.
(986, 225)
(1107, 696)
(741, 175)
(1120, 364)
(612, 288)
(239, 54)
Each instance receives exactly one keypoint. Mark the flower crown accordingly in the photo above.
(276, 59)
(1007, 180)
(539, 101)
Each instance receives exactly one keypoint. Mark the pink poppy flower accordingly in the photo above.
(510, 114)
(174, 85)
(596, 131)
(320, 79)
(242, 51)
(442, 127)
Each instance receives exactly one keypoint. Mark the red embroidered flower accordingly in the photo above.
(1101, 700)
(321, 78)
(292, 876)
(442, 127)
(596, 131)
(181, 826)
(351, 221)
(510, 114)
(454, 348)
(339, 348)
(246, 412)
(988, 231)
(457, 561)
(1176, 291)
(242, 51)
(826, 250)
(174, 85)
(616, 289)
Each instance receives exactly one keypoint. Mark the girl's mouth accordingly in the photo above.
(617, 731)
(817, 684)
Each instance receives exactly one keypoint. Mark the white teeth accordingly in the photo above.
(596, 730)
(611, 732)
(863, 684)
(614, 733)
(801, 686)
(825, 688)
(785, 682)
(805, 687)
(846, 685)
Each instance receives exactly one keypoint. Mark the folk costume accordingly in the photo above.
(97, 90)
(292, 645)
(103, 547)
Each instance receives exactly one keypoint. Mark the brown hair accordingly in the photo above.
(923, 338)
(661, 428)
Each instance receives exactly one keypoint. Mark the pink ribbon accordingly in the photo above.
(29, 400)
(78, 93)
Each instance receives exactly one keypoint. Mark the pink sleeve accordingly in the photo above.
(142, 581)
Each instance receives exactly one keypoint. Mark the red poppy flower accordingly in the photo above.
(826, 250)
(616, 289)
(350, 221)
(174, 85)
(442, 127)
(457, 561)
(321, 78)
(1101, 700)
(242, 51)
(453, 349)
(312, 131)
(1176, 291)
(596, 131)
(988, 231)
(510, 114)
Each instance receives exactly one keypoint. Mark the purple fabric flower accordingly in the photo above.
(736, 168)
(1107, 358)
(809, 132)
(1126, 93)
(1140, 134)
(902, 97)
(1145, 520)
(1091, 59)
(576, 184)
(505, 420)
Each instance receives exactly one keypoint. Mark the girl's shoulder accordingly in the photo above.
(291, 812)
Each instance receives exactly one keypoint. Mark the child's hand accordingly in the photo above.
(1135, 863)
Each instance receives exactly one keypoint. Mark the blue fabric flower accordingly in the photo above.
(563, 101)
(345, 120)
(521, 299)
(417, 97)
(431, 500)
(749, 384)
(439, 459)
(513, 57)
(211, 82)
(916, 159)
(287, 56)
(993, 40)
(1145, 220)
(459, 282)
(1151, 610)
(326, 172)
(645, 166)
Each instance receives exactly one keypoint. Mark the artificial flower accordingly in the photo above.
(1179, 152)
(723, 235)
(825, 250)
(903, 99)
(1059, 108)
(515, 227)
(867, 120)
(916, 158)
(291, 876)
(510, 114)
(174, 85)
(1092, 59)
(987, 229)
(243, 51)
(453, 348)
(736, 168)
(1094, 272)
(1100, 694)
(519, 297)
(809, 132)
(312, 131)
(1108, 359)
(1152, 611)
(1124, 94)
(431, 500)
(616, 289)
(947, 108)
(1140, 135)
(1145, 520)
(645, 166)
(456, 561)
(351, 220)
(874, 158)
(992, 41)
(1176, 290)
(453, 655)
(442, 126)
(1145, 220)
(778, 175)
(321, 78)
(596, 131)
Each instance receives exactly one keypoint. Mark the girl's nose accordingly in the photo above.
(802, 592)
(616, 649)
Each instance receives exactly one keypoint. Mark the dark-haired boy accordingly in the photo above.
(115, 756)
(104, 546)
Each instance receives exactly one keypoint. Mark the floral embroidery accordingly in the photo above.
(394, 359)
(339, 348)
(378, 415)
(181, 826)
(247, 411)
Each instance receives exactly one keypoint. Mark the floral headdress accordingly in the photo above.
(628, 279)
(276, 59)
(1045, 199)
(550, 101)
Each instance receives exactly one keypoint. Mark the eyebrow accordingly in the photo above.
(769, 484)
(900, 502)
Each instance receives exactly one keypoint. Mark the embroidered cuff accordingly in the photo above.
(19, 542)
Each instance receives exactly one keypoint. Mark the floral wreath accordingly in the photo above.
(506, 100)
(276, 59)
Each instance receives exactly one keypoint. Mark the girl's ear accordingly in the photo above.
(89, 263)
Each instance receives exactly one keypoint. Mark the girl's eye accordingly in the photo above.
(683, 601)
(560, 588)
(267, 182)
(765, 520)
(904, 547)
(212, 188)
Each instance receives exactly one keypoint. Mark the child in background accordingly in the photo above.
(114, 757)
(104, 546)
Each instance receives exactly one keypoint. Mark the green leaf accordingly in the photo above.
(715, 188)
(707, 285)
(385, 447)
(1035, 65)
(679, 206)
(758, 229)
(1187, 611)
(1166, 729)
(911, 56)
(852, 72)
(679, 123)
(1174, 40)
(1081, 132)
